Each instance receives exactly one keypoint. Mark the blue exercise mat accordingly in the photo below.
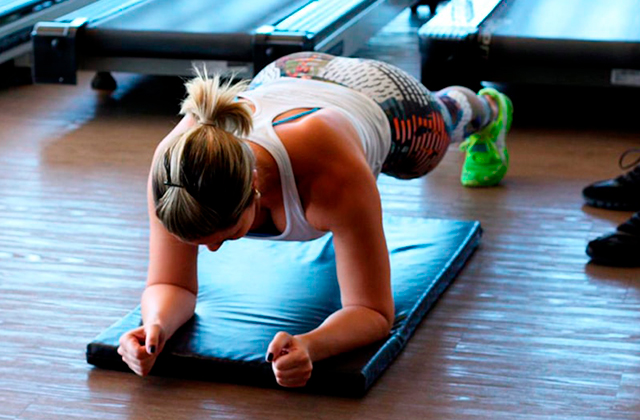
(251, 289)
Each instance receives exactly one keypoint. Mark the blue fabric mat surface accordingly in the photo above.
(251, 289)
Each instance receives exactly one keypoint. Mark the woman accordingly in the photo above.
(292, 158)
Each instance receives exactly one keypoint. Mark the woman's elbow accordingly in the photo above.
(388, 319)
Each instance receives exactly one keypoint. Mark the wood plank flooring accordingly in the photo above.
(529, 330)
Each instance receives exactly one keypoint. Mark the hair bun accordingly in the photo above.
(214, 104)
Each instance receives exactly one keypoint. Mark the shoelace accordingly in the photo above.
(633, 176)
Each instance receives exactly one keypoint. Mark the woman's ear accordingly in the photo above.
(254, 181)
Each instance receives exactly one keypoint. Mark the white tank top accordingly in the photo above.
(282, 95)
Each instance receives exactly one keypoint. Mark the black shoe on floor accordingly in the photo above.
(620, 248)
(621, 193)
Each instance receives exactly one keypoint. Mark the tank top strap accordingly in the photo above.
(297, 227)
(295, 117)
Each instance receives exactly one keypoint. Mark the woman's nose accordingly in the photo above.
(214, 247)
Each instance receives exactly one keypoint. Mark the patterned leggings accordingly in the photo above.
(422, 125)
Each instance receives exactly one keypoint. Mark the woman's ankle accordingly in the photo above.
(491, 106)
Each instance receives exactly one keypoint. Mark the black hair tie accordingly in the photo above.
(170, 184)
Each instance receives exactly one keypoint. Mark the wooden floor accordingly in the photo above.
(529, 330)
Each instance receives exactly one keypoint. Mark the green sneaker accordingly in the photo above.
(487, 158)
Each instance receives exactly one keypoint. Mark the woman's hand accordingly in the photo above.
(290, 360)
(141, 346)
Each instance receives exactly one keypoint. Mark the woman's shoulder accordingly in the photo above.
(323, 132)
(326, 154)
(331, 170)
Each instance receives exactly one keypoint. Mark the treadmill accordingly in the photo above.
(17, 18)
(537, 42)
(169, 37)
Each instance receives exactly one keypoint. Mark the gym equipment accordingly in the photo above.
(251, 289)
(17, 18)
(166, 37)
(568, 42)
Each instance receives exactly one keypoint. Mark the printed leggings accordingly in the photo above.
(422, 124)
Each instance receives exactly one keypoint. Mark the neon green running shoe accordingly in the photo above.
(487, 158)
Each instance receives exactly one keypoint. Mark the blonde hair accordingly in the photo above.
(202, 180)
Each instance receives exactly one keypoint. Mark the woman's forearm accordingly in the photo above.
(345, 330)
(167, 305)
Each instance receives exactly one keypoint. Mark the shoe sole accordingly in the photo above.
(613, 263)
(491, 182)
(611, 205)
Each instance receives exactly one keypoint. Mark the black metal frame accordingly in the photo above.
(17, 21)
(452, 47)
(459, 49)
(340, 27)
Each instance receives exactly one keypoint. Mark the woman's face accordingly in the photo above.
(240, 229)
